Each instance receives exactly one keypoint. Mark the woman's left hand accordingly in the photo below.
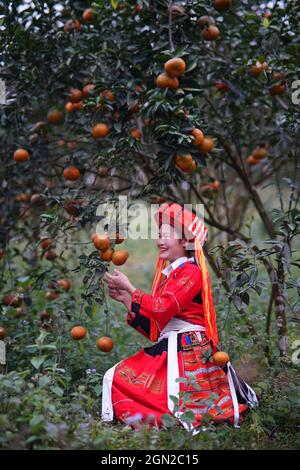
(118, 280)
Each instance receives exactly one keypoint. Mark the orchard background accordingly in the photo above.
(66, 70)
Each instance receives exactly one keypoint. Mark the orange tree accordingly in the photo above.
(96, 107)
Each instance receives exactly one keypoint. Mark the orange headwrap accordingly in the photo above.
(194, 230)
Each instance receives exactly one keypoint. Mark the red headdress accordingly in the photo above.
(194, 230)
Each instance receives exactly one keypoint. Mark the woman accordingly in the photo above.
(179, 316)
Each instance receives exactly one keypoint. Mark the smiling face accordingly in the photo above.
(169, 243)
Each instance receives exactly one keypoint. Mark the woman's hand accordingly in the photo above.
(118, 281)
(120, 296)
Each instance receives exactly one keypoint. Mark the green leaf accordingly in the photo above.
(36, 423)
(37, 361)
(57, 391)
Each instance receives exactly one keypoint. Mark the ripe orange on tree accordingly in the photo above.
(105, 344)
(88, 89)
(207, 145)
(137, 8)
(101, 242)
(211, 33)
(51, 255)
(100, 130)
(260, 152)
(222, 5)
(55, 117)
(51, 295)
(106, 255)
(88, 15)
(214, 185)
(108, 94)
(78, 332)
(198, 136)
(21, 155)
(119, 257)
(175, 67)
(136, 134)
(44, 315)
(206, 21)
(66, 284)
(277, 89)
(251, 160)
(220, 358)
(186, 163)
(70, 25)
(165, 81)
(12, 300)
(75, 95)
(221, 86)
(71, 173)
(46, 243)
(3, 332)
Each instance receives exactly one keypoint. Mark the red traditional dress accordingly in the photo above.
(145, 386)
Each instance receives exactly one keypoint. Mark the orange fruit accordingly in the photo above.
(108, 94)
(137, 8)
(198, 136)
(136, 134)
(71, 173)
(12, 300)
(106, 255)
(175, 67)
(2, 253)
(88, 15)
(46, 243)
(119, 257)
(60, 142)
(69, 107)
(75, 95)
(3, 332)
(260, 153)
(215, 185)
(44, 315)
(37, 199)
(78, 332)
(55, 117)
(70, 25)
(211, 33)
(51, 295)
(138, 89)
(186, 163)
(206, 21)
(73, 207)
(64, 283)
(251, 160)
(100, 130)
(165, 81)
(207, 145)
(88, 89)
(23, 197)
(221, 86)
(220, 358)
(277, 89)
(256, 69)
(105, 344)
(72, 145)
(177, 11)
(101, 242)
(222, 5)
(51, 255)
(21, 155)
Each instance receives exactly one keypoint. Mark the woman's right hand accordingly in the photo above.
(120, 296)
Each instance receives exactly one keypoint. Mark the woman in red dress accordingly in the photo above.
(178, 373)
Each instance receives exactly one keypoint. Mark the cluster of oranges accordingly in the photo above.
(174, 68)
(105, 343)
(106, 251)
(88, 16)
(276, 76)
(186, 163)
(258, 154)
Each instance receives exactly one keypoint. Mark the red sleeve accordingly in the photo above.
(177, 295)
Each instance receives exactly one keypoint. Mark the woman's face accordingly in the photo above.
(170, 245)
